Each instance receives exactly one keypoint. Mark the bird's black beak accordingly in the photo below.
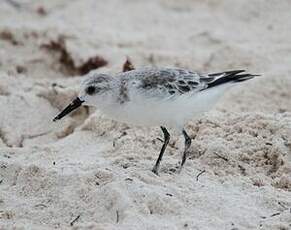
(77, 102)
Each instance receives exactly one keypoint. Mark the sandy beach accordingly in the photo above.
(89, 172)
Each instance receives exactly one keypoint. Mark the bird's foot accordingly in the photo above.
(155, 170)
(179, 170)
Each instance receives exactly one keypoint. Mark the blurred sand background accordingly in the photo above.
(87, 172)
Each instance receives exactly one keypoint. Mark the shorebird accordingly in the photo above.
(165, 97)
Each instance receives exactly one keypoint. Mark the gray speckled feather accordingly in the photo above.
(165, 82)
(173, 82)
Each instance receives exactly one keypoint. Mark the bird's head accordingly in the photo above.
(95, 90)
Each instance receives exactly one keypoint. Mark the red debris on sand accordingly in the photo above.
(67, 61)
(127, 66)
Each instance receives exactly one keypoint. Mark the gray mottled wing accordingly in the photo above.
(166, 82)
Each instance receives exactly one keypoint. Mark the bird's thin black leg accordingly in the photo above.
(187, 146)
(166, 141)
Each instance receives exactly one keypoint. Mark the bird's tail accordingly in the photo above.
(229, 76)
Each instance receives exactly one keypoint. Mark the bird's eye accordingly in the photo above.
(91, 90)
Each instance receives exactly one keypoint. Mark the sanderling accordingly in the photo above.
(165, 97)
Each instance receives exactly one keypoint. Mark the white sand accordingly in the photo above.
(99, 170)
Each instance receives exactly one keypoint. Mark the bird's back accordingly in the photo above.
(163, 82)
(175, 81)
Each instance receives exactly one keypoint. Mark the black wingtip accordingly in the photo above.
(230, 72)
(230, 76)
